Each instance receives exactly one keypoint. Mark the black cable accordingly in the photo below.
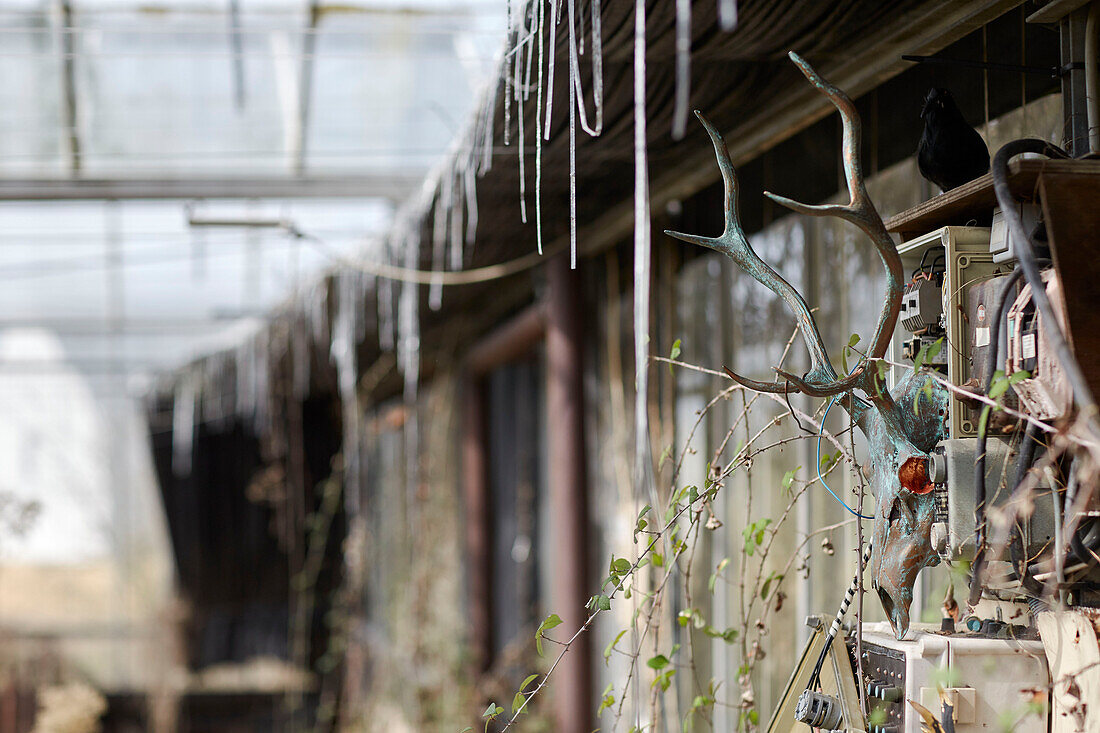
(1025, 253)
(1017, 548)
(853, 588)
(979, 462)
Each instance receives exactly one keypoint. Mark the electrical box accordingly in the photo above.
(953, 475)
(989, 680)
(965, 259)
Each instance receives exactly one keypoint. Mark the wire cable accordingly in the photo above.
(820, 477)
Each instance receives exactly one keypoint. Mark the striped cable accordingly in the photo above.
(853, 588)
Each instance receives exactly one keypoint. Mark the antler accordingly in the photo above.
(860, 211)
(821, 380)
(733, 243)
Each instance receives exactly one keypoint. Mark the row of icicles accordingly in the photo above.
(449, 195)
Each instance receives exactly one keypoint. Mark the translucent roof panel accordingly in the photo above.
(118, 89)
(135, 288)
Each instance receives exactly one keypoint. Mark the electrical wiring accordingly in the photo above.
(1082, 393)
(979, 463)
(820, 477)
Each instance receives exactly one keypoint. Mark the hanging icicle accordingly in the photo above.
(299, 358)
(455, 222)
(386, 318)
(439, 244)
(342, 351)
(554, 5)
(509, 59)
(538, 129)
(522, 172)
(641, 262)
(488, 121)
(683, 68)
(572, 174)
(727, 15)
(408, 361)
(183, 423)
(597, 69)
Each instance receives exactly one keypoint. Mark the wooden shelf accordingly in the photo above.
(974, 202)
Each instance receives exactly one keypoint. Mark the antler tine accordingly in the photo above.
(733, 243)
(860, 211)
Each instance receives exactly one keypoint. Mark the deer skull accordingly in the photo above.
(899, 433)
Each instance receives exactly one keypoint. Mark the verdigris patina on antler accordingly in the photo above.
(901, 428)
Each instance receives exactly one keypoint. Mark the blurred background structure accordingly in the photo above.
(298, 432)
(124, 126)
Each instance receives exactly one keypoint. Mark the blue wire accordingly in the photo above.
(821, 478)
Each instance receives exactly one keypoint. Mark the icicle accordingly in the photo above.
(554, 4)
(299, 356)
(318, 312)
(261, 393)
(471, 201)
(641, 262)
(529, 53)
(727, 15)
(487, 143)
(538, 130)
(439, 243)
(509, 59)
(683, 68)
(365, 284)
(519, 127)
(522, 172)
(455, 221)
(572, 167)
(183, 424)
(597, 69)
(342, 351)
(385, 315)
(408, 356)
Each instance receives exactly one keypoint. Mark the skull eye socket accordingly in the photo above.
(913, 475)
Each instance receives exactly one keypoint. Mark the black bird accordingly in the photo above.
(951, 152)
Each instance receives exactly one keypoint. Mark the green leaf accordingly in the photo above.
(658, 662)
(608, 698)
(788, 478)
(492, 711)
(852, 341)
(828, 460)
(927, 353)
(518, 702)
(551, 621)
(620, 566)
(1019, 376)
(658, 560)
(664, 679)
(611, 647)
(772, 577)
(603, 602)
(728, 635)
(641, 522)
(527, 681)
(674, 354)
